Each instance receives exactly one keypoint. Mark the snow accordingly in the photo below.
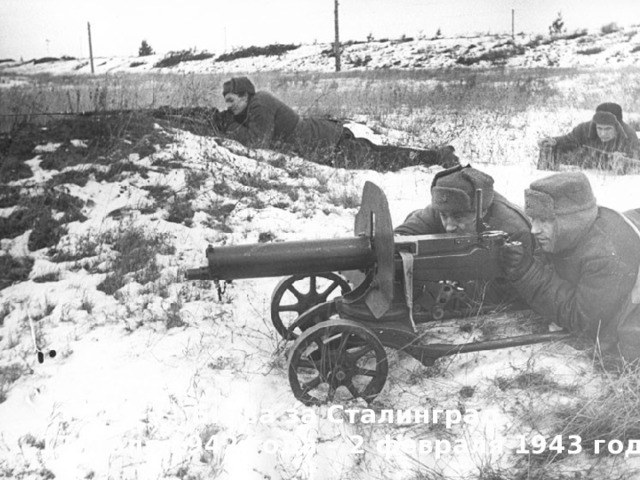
(418, 53)
(126, 397)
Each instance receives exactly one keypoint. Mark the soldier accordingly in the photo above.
(452, 210)
(605, 142)
(585, 275)
(262, 120)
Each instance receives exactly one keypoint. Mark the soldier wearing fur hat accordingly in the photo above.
(452, 210)
(605, 141)
(262, 120)
(585, 275)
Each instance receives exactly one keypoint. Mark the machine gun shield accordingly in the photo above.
(374, 220)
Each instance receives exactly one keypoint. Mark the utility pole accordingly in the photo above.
(513, 22)
(90, 47)
(336, 45)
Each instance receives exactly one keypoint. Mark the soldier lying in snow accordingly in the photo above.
(604, 142)
(585, 275)
(258, 119)
(452, 210)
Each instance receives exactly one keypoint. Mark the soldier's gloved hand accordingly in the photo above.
(446, 157)
(222, 120)
(515, 260)
(547, 142)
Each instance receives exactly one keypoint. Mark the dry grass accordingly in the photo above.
(613, 414)
(135, 256)
(428, 106)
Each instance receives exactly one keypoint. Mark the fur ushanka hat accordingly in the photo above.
(567, 199)
(453, 190)
(607, 114)
(239, 86)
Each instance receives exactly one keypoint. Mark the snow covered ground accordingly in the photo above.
(573, 49)
(162, 379)
(128, 397)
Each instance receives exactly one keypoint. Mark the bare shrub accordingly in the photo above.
(13, 269)
(269, 50)
(609, 28)
(135, 260)
(172, 59)
(590, 51)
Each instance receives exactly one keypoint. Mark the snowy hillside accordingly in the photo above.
(156, 377)
(619, 47)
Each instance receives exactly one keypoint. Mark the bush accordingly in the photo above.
(145, 49)
(9, 196)
(136, 250)
(540, 40)
(404, 39)
(609, 28)
(172, 59)
(12, 168)
(181, 211)
(590, 51)
(36, 213)
(14, 269)
(493, 56)
(269, 50)
(557, 26)
(45, 60)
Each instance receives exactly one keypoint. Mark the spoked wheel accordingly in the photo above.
(320, 313)
(335, 361)
(297, 294)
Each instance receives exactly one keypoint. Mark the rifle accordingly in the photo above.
(209, 117)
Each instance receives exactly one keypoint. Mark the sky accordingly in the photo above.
(38, 28)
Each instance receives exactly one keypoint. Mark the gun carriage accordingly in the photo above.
(340, 342)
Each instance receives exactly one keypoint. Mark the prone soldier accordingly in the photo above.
(452, 210)
(585, 275)
(606, 142)
(264, 121)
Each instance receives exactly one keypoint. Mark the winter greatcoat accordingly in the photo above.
(585, 136)
(586, 285)
(268, 122)
(501, 215)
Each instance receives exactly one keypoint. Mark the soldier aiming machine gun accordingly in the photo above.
(381, 311)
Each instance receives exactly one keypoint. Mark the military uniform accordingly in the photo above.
(454, 190)
(585, 283)
(582, 146)
(267, 122)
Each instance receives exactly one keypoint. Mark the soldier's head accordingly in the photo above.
(606, 124)
(562, 208)
(453, 195)
(237, 93)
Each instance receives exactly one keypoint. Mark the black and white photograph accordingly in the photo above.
(320, 240)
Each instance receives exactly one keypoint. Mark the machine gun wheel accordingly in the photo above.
(311, 317)
(296, 294)
(335, 361)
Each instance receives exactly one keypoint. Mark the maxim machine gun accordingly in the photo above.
(339, 342)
